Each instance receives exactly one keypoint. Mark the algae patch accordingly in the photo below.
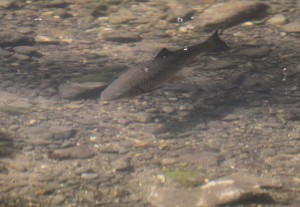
(188, 178)
(15, 110)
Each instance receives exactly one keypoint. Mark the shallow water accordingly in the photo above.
(228, 112)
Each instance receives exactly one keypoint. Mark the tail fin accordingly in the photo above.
(215, 42)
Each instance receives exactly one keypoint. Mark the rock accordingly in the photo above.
(4, 53)
(80, 90)
(277, 19)
(45, 39)
(12, 38)
(231, 13)
(236, 188)
(255, 52)
(122, 16)
(61, 132)
(233, 189)
(122, 164)
(219, 64)
(25, 50)
(77, 152)
(143, 117)
(179, 12)
(168, 109)
(21, 57)
(122, 37)
(268, 152)
(57, 200)
(100, 11)
(6, 3)
(89, 175)
(13, 104)
(60, 57)
(38, 135)
(291, 27)
(171, 197)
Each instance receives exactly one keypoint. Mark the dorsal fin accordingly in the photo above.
(163, 53)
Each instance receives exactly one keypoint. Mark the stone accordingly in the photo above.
(219, 65)
(179, 12)
(76, 152)
(25, 50)
(268, 152)
(231, 13)
(122, 37)
(21, 57)
(4, 53)
(12, 38)
(122, 164)
(168, 109)
(61, 132)
(57, 200)
(277, 19)
(122, 16)
(80, 90)
(6, 3)
(89, 175)
(143, 117)
(45, 39)
(255, 52)
(232, 189)
(291, 27)
(60, 57)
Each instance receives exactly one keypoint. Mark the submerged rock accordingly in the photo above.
(236, 188)
(291, 27)
(231, 13)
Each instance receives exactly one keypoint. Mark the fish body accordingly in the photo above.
(146, 76)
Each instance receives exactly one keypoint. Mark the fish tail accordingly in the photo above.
(215, 43)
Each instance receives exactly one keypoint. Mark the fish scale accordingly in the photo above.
(146, 76)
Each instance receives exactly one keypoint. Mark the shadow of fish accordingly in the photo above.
(146, 76)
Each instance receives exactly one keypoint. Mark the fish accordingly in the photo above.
(148, 75)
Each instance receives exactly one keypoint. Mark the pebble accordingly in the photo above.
(76, 152)
(268, 152)
(13, 39)
(80, 90)
(294, 135)
(168, 109)
(122, 16)
(61, 132)
(25, 50)
(45, 39)
(14, 127)
(277, 19)
(291, 27)
(21, 57)
(122, 37)
(4, 53)
(143, 117)
(57, 200)
(89, 175)
(168, 161)
(179, 12)
(122, 164)
(232, 189)
(219, 65)
(229, 13)
(6, 3)
(255, 52)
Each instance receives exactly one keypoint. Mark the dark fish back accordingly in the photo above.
(147, 75)
(143, 77)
